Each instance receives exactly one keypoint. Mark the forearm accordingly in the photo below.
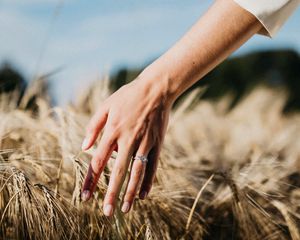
(224, 28)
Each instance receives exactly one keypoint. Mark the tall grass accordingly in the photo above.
(222, 174)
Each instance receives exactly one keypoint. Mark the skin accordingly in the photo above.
(134, 119)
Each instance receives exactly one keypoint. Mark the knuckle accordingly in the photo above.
(148, 180)
(119, 171)
(93, 124)
(137, 173)
(130, 195)
(110, 197)
(113, 131)
(114, 122)
(98, 161)
(125, 142)
(107, 140)
(146, 187)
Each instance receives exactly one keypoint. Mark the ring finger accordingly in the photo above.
(137, 174)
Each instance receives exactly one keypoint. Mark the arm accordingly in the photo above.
(223, 29)
(135, 117)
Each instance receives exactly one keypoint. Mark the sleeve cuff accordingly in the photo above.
(271, 13)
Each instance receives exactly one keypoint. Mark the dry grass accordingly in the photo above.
(251, 155)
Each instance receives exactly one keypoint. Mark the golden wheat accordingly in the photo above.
(222, 174)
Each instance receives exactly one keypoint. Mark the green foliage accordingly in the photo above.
(11, 80)
(238, 75)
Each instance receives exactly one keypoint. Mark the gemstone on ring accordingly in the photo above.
(142, 158)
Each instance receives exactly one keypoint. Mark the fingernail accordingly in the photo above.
(143, 195)
(85, 195)
(108, 210)
(85, 144)
(125, 207)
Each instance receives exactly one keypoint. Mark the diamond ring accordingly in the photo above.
(142, 158)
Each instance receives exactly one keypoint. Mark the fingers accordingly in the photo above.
(150, 171)
(94, 127)
(116, 179)
(136, 175)
(98, 162)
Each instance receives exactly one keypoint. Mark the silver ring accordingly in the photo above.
(142, 158)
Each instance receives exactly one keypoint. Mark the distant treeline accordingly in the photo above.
(237, 75)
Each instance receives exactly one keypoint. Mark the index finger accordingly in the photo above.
(95, 125)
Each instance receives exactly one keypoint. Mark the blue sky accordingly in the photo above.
(89, 38)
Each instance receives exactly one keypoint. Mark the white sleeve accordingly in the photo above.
(271, 13)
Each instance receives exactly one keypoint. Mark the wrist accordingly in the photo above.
(158, 81)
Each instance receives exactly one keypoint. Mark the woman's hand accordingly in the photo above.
(134, 119)
(136, 116)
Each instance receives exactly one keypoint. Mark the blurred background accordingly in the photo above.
(75, 42)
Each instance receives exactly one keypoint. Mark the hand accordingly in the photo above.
(135, 119)
(136, 116)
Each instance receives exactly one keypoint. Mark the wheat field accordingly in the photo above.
(222, 174)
